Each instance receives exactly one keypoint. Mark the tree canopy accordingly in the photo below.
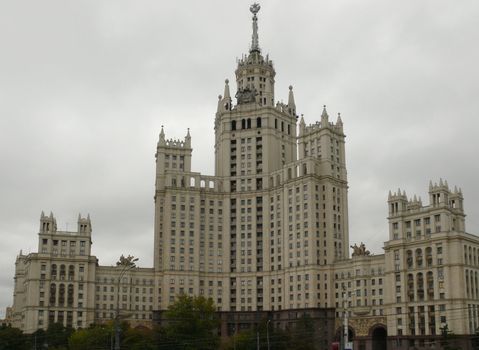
(191, 323)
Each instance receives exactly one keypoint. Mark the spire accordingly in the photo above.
(254, 42)
(291, 104)
(339, 121)
(291, 97)
(188, 139)
(162, 134)
(324, 117)
(227, 90)
(227, 96)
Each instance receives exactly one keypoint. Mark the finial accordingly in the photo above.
(291, 87)
(188, 133)
(254, 10)
(226, 81)
(220, 97)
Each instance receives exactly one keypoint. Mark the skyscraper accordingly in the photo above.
(267, 232)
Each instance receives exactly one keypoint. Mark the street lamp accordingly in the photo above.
(267, 331)
(126, 264)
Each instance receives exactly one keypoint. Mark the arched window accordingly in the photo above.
(409, 259)
(418, 257)
(54, 271)
(258, 122)
(420, 286)
(243, 124)
(70, 295)
(61, 295)
(248, 123)
(428, 256)
(53, 293)
(62, 272)
(233, 125)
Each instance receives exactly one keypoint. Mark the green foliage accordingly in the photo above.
(139, 339)
(12, 338)
(247, 339)
(191, 324)
(95, 337)
(56, 336)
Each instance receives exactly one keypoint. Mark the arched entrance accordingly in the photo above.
(379, 338)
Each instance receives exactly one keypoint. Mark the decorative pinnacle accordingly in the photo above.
(254, 10)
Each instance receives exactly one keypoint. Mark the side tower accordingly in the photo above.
(324, 142)
(173, 160)
(428, 255)
(56, 285)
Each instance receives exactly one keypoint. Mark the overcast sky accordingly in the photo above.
(86, 85)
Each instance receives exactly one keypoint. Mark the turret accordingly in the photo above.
(84, 225)
(172, 156)
(397, 202)
(48, 224)
(456, 200)
(438, 193)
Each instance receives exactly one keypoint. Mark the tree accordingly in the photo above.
(139, 339)
(247, 339)
(95, 337)
(191, 324)
(12, 338)
(56, 336)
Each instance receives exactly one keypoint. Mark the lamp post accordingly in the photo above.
(267, 331)
(126, 264)
(345, 314)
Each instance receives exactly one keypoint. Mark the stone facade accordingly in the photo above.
(268, 232)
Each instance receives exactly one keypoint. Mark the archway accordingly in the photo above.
(379, 338)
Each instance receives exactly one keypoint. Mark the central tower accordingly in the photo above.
(253, 136)
(274, 213)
